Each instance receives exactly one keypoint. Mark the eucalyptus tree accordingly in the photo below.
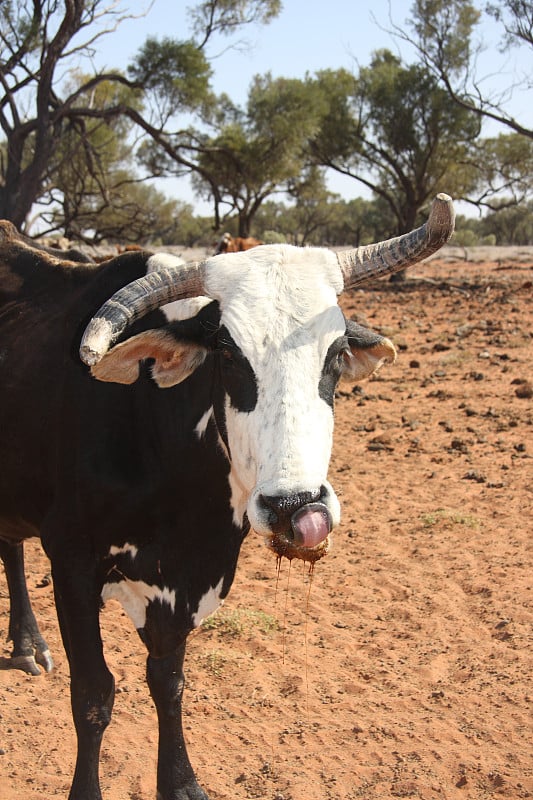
(504, 166)
(253, 153)
(90, 167)
(510, 225)
(392, 129)
(42, 41)
(447, 37)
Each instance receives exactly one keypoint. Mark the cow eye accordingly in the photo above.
(226, 353)
(339, 360)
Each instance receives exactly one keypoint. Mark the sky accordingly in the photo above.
(307, 36)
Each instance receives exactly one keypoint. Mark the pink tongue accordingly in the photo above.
(310, 526)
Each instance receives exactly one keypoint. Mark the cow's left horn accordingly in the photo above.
(396, 254)
(134, 301)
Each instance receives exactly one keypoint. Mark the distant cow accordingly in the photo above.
(208, 417)
(230, 244)
(128, 248)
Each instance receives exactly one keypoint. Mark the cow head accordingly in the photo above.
(224, 244)
(282, 345)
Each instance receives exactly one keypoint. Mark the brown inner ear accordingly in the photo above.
(384, 351)
(121, 364)
(363, 362)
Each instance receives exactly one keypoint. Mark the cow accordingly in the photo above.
(234, 244)
(201, 409)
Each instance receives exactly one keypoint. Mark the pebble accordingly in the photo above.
(524, 390)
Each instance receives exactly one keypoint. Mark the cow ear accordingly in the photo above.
(365, 354)
(173, 360)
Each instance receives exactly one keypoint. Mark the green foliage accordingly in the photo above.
(335, 222)
(129, 212)
(445, 38)
(505, 165)
(215, 662)
(516, 16)
(224, 16)
(42, 115)
(444, 29)
(273, 237)
(509, 225)
(176, 72)
(512, 225)
(393, 129)
(253, 152)
(466, 237)
(391, 126)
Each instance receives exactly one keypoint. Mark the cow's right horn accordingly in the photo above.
(136, 300)
(393, 255)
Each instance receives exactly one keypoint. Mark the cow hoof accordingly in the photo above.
(29, 664)
(192, 791)
(26, 664)
(45, 659)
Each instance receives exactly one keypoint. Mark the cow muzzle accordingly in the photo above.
(300, 527)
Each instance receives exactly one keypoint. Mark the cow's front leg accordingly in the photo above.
(175, 776)
(29, 647)
(92, 686)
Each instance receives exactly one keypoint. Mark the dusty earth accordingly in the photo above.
(402, 667)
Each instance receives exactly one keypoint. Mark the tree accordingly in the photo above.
(90, 169)
(324, 220)
(510, 225)
(443, 33)
(130, 211)
(392, 128)
(505, 171)
(41, 40)
(37, 43)
(251, 153)
(314, 208)
(358, 222)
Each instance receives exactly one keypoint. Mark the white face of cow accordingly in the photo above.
(281, 346)
(279, 306)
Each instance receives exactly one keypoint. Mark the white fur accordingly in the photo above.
(184, 309)
(279, 304)
(203, 423)
(208, 603)
(134, 597)
(131, 549)
(163, 261)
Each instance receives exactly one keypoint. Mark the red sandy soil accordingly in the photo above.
(401, 668)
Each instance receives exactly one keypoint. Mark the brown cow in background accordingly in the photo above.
(229, 244)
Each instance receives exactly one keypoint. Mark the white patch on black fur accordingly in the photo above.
(134, 597)
(209, 603)
(201, 427)
(131, 549)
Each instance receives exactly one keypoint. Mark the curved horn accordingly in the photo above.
(134, 301)
(396, 254)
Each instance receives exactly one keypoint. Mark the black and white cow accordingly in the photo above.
(209, 417)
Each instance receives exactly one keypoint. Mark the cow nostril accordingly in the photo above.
(282, 507)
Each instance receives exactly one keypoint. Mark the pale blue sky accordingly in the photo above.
(309, 35)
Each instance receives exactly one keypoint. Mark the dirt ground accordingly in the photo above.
(402, 667)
